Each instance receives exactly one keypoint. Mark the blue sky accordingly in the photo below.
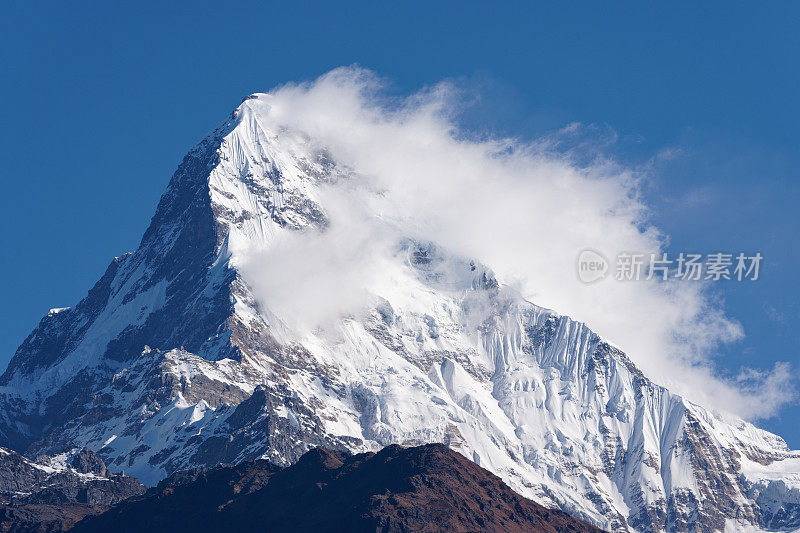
(100, 102)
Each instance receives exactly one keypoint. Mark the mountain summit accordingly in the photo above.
(171, 362)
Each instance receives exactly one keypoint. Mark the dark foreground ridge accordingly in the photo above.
(425, 488)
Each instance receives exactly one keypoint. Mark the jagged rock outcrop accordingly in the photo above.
(53, 493)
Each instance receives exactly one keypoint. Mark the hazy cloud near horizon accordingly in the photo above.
(525, 209)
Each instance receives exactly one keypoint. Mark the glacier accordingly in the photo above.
(172, 361)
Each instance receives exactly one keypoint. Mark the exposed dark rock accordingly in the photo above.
(427, 488)
(38, 518)
(51, 497)
(88, 462)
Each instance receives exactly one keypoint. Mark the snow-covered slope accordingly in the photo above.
(170, 362)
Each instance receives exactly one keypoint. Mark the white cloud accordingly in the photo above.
(314, 277)
(524, 209)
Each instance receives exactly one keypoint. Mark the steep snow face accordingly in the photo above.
(441, 351)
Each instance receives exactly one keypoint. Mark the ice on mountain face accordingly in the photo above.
(436, 349)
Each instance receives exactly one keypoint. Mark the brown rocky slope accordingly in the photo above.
(424, 488)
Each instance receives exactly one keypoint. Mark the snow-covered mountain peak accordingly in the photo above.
(264, 182)
(424, 346)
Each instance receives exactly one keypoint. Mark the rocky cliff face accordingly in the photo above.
(170, 362)
(53, 493)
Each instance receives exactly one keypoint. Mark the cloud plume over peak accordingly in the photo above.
(525, 209)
